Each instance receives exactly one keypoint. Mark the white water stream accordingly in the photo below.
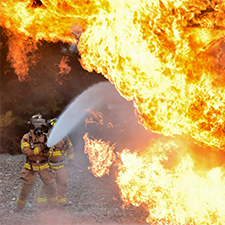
(117, 112)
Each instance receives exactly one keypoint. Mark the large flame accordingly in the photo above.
(165, 180)
(173, 184)
(165, 55)
(151, 56)
(150, 49)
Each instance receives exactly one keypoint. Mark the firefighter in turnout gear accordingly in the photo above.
(33, 145)
(61, 150)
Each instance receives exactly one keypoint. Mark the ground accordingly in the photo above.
(92, 200)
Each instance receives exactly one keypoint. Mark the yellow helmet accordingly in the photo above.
(36, 121)
(51, 123)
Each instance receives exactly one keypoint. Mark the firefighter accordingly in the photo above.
(61, 150)
(33, 145)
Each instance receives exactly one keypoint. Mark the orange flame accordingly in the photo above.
(146, 48)
(97, 117)
(100, 155)
(94, 117)
(167, 180)
(168, 57)
(164, 179)
(63, 66)
(28, 24)
(151, 56)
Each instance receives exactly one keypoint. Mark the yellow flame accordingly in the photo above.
(168, 57)
(151, 50)
(100, 155)
(27, 25)
(166, 179)
(172, 194)
(147, 52)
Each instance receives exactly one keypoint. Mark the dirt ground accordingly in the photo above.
(92, 200)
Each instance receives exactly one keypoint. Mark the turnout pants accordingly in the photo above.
(29, 178)
(62, 181)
